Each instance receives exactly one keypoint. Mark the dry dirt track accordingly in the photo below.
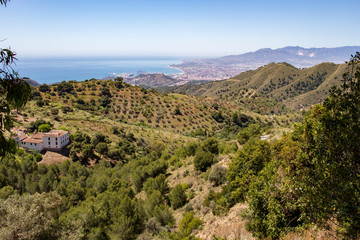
(55, 157)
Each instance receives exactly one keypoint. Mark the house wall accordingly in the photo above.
(48, 142)
(51, 142)
(56, 142)
(35, 146)
(64, 140)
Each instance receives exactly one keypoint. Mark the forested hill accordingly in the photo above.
(280, 82)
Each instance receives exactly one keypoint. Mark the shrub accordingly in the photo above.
(116, 154)
(203, 160)
(159, 184)
(253, 131)
(40, 103)
(44, 88)
(177, 111)
(227, 147)
(218, 175)
(177, 197)
(35, 125)
(191, 148)
(164, 215)
(104, 101)
(189, 223)
(64, 87)
(44, 128)
(99, 138)
(217, 116)
(80, 101)
(119, 84)
(102, 148)
(67, 109)
(38, 157)
(87, 151)
(54, 111)
(211, 145)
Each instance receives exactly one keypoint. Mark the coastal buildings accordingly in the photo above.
(54, 140)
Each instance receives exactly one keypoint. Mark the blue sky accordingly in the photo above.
(174, 27)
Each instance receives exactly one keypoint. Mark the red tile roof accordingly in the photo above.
(55, 133)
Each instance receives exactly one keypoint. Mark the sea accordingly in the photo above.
(53, 70)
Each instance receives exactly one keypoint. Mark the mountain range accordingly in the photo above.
(230, 66)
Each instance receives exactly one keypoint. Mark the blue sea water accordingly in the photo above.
(52, 70)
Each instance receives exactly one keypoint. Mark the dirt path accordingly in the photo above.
(55, 157)
(237, 144)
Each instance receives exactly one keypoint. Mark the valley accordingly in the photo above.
(185, 162)
(179, 120)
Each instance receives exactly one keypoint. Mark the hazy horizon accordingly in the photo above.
(211, 28)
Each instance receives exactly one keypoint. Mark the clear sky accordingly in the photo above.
(174, 27)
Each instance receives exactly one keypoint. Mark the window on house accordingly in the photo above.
(49, 143)
(49, 139)
(35, 144)
(30, 143)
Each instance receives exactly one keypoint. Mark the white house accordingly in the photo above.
(53, 140)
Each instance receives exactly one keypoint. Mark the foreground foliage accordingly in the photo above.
(310, 177)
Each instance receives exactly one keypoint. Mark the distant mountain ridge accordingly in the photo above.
(32, 82)
(297, 56)
(230, 66)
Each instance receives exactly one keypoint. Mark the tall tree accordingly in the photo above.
(14, 93)
(331, 157)
(3, 2)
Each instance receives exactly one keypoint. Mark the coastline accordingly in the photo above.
(177, 68)
(57, 70)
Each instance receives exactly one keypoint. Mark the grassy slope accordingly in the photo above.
(281, 82)
(195, 114)
(136, 106)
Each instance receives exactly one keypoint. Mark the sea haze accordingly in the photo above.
(52, 70)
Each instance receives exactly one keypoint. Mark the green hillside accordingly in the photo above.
(148, 165)
(132, 105)
(275, 82)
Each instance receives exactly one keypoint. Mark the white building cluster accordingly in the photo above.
(53, 140)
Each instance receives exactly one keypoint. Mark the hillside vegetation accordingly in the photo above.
(276, 82)
(146, 165)
(124, 103)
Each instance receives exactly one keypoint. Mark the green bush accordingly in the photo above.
(177, 197)
(245, 167)
(203, 160)
(218, 175)
(38, 157)
(158, 183)
(44, 128)
(191, 148)
(189, 223)
(102, 148)
(211, 145)
(228, 147)
(251, 132)
(44, 88)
